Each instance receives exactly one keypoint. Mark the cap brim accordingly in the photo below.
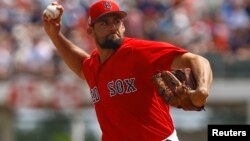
(122, 15)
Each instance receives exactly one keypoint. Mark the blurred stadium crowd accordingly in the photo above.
(201, 26)
(32, 74)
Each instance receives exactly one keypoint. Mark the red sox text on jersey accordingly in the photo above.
(115, 87)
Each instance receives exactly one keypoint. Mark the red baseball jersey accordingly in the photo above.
(126, 102)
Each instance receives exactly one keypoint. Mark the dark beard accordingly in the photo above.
(111, 44)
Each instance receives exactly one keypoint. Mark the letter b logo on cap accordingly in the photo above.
(107, 5)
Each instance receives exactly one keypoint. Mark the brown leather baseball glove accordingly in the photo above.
(174, 87)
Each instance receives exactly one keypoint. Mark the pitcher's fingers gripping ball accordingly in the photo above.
(174, 88)
(52, 11)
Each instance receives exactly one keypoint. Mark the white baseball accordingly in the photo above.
(52, 12)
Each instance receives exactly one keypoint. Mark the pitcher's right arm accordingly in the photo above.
(71, 54)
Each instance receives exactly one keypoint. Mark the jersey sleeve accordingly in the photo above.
(87, 64)
(159, 55)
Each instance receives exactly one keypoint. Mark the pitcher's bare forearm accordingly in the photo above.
(202, 73)
(71, 54)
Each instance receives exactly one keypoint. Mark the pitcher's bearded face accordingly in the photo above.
(112, 41)
(109, 31)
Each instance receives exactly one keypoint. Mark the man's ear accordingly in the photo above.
(89, 30)
(123, 27)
